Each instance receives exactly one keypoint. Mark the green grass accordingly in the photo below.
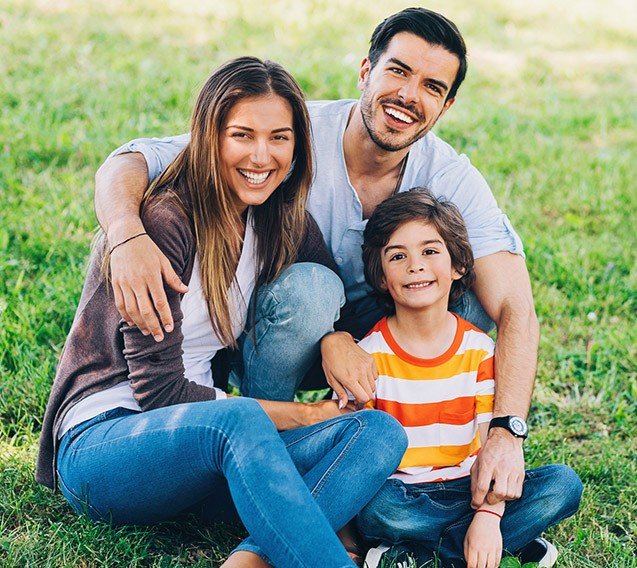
(548, 114)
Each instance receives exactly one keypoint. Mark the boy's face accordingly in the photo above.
(417, 267)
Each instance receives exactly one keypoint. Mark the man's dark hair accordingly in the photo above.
(434, 28)
(417, 204)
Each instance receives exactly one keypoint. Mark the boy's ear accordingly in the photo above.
(383, 284)
(456, 274)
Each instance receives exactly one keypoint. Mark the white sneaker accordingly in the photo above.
(374, 555)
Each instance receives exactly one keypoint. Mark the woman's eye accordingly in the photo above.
(281, 137)
(239, 135)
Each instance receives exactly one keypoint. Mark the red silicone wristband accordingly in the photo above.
(490, 512)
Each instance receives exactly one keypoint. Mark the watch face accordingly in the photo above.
(517, 425)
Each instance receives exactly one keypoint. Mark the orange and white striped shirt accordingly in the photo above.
(439, 401)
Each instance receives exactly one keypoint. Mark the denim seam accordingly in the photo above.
(255, 501)
(84, 502)
(330, 470)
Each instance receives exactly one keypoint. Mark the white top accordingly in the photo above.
(200, 343)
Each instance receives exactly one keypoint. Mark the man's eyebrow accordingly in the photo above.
(402, 64)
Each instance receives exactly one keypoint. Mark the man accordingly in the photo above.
(366, 150)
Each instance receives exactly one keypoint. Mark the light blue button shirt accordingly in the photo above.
(334, 204)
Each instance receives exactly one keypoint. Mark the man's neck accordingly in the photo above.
(425, 333)
(363, 157)
(373, 172)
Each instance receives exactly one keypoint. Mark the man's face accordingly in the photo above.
(406, 91)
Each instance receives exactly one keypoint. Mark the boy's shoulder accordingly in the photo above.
(474, 336)
(374, 341)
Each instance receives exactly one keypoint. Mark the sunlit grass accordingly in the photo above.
(548, 114)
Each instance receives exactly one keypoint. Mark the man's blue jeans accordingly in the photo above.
(427, 517)
(291, 490)
(292, 314)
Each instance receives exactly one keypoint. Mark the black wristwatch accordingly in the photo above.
(514, 424)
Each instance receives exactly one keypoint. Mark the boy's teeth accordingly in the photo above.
(419, 285)
(399, 115)
(253, 177)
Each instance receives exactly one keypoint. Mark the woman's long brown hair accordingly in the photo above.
(279, 223)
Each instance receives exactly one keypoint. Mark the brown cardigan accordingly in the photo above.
(101, 350)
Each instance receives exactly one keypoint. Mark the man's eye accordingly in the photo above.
(398, 71)
(429, 251)
(435, 88)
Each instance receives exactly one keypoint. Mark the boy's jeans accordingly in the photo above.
(291, 490)
(428, 517)
(292, 314)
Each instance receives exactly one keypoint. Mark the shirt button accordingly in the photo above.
(338, 260)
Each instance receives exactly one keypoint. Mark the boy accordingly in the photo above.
(436, 376)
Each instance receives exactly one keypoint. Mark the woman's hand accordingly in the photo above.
(483, 542)
(326, 409)
(347, 366)
(288, 415)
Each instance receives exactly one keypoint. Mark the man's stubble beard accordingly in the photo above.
(368, 119)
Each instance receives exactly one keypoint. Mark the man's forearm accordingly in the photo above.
(119, 187)
(515, 360)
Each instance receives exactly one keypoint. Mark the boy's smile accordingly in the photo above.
(417, 267)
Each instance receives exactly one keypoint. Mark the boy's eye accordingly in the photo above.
(429, 251)
(397, 256)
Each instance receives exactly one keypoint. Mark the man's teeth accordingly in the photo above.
(418, 285)
(254, 177)
(399, 115)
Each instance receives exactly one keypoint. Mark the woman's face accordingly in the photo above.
(257, 148)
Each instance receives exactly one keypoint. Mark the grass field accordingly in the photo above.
(548, 114)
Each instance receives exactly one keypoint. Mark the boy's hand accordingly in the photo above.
(483, 542)
(347, 366)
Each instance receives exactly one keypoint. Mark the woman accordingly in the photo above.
(135, 431)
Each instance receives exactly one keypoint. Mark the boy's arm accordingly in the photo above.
(137, 266)
(483, 539)
(509, 302)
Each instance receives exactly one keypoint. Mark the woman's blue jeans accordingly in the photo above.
(291, 315)
(427, 517)
(291, 490)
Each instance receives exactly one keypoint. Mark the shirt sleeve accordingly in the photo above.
(156, 369)
(158, 152)
(489, 229)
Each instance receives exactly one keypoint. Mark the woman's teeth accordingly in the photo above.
(254, 177)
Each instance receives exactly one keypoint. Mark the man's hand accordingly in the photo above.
(500, 460)
(483, 542)
(347, 366)
(137, 270)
